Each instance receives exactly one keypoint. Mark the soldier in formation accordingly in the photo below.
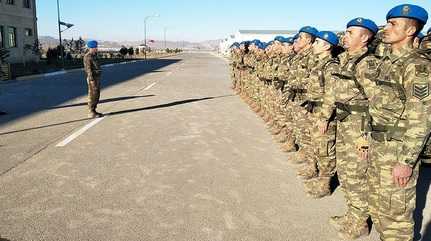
(356, 104)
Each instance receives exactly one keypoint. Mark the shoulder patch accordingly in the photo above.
(421, 71)
(421, 90)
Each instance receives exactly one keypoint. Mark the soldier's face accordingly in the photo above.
(319, 46)
(396, 30)
(353, 38)
(301, 42)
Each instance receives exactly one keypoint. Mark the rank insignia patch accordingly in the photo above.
(421, 90)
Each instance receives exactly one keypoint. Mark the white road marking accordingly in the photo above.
(79, 132)
(150, 86)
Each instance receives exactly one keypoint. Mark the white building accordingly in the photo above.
(244, 35)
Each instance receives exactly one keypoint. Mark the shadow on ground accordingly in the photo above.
(175, 103)
(22, 98)
(422, 190)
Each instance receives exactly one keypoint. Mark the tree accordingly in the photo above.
(52, 55)
(124, 51)
(131, 51)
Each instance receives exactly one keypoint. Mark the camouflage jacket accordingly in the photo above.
(320, 72)
(282, 70)
(299, 69)
(91, 66)
(355, 74)
(401, 100)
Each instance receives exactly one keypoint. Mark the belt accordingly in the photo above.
(382, 133)
(300, 91)
(352, 109)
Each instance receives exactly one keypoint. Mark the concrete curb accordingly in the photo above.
(30, 77)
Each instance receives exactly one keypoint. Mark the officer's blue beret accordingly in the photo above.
(328, 36)
(309, 30)
(279, 38)
(270, 42)
(408, 11)
(364, 23)
(295, 37)
(92, 44)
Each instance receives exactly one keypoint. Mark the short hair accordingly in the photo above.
(418, 25)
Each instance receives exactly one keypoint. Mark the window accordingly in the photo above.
(26, 4)
(10, 2)
(28, 32)
(1, 37)
(11, 36)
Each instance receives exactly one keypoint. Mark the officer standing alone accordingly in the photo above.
(93, 73)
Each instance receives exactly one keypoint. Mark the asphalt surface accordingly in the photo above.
(178, 157)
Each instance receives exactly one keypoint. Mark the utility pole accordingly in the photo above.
(59, 35)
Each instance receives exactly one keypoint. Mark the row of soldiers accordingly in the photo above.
(358, 106)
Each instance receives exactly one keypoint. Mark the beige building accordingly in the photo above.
(18, 28)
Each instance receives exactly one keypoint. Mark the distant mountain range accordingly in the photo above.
(51, 42)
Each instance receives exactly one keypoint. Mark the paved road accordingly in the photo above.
(179, 157)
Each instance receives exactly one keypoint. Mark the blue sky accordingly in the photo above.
(198, 20)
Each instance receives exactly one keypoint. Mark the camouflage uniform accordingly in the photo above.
(93, 74)
(350, 100)
(235, 60)
(296, 89)
(282, 126)
(322, 160)
(400, 107)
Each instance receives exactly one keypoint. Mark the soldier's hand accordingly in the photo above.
(323, 126)
(401, 175)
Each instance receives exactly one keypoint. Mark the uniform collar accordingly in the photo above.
(324, 56)
(395, 55)
(357, 53)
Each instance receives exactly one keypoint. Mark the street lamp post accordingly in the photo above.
(145, 32)
(59, 34)
(164, 36)
(67, 25)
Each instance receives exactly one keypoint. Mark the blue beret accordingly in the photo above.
(408, 11)
(364, 23)
(270, 42)
(92, 44)
(262, 45)
(295, 37)
(290, 40)
(234, 45)
(309, 30)
(329, 37)
(279, 38)
(245, 43)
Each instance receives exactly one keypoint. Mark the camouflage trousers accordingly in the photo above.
(391, 207)
(234, 76)
(302, 126)
(352, 172)
(323, 147)
(285, 115)
(93, 93)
